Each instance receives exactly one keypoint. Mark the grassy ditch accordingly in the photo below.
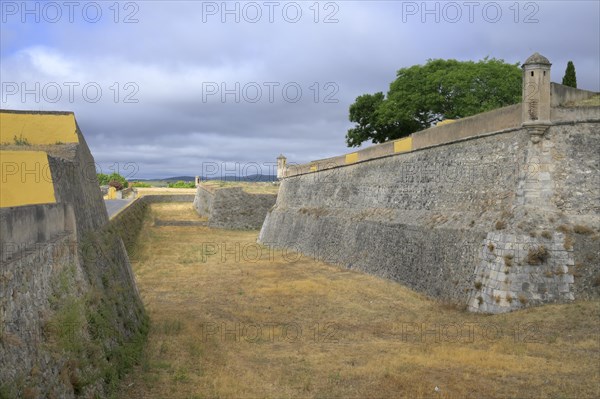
(233, 319)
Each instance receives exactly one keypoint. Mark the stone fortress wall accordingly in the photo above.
(69, 307)
(232, 207)
(497, 211)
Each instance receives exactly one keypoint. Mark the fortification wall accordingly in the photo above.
(203, 201)
(506, 118)
(70, 308)
(486, 122)
(561, 95)
(458, 221)
(169, 198)
(75, 181)
(28, 225)
(28, 280)
(232, 207)
(577, 114)
(414, 217)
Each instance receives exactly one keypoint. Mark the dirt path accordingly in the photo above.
(231, 319)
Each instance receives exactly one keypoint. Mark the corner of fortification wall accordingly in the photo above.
(517, 189)
(233, 207)
(66, 286)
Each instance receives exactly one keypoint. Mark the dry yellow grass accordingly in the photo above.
(225, 324)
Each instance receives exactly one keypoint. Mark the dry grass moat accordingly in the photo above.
(232, 319)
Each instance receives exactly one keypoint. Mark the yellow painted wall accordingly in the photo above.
(37, 128)
(403, 145)
(351, 158)
(25, 179)
(112, 193)
(446, 122)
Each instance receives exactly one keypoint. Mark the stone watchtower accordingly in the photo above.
(536, 95)
(281, 166)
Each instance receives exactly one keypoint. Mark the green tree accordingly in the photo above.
(104, 179)
(570, 79)
(422, 95)
(371, 124)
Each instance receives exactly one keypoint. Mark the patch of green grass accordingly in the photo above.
(170, 327)
(181, 375)
(21, 140)
(8, 391)
(96, 332)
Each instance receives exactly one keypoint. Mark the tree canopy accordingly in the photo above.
(570, 79)
(423, 95)
(104, 179)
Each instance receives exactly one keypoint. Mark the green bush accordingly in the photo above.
(21, 140)
(105, 180)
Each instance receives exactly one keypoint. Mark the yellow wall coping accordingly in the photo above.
(352, 157)
(403, 145)
(25, 179)
(446, 122)
(38, 128)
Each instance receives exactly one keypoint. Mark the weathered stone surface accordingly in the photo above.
(447, 220)
(68, 300)
(233, 208)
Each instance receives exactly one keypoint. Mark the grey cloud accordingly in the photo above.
(170, 54)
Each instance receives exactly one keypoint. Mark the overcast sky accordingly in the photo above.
(165, 88)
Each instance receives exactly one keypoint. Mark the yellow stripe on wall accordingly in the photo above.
(25, 179)
(351, 158)
(446, 122)
(403, 145)
(37, 128)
